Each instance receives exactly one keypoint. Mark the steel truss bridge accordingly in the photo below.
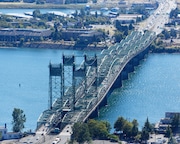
(77, 92)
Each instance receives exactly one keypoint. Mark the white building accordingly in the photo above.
(127, 18)
(5, 135)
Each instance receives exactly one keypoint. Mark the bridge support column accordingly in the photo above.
(141, 55)
(103, 102)
(124, 75)
(136, 61)
(118, 82)
(95, 113)
(130, 67)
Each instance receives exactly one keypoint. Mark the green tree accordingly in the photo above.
(19, 119)
(175, 122)
(36, 13)
(138, 19)
(92, 127)
(98, 129)
(108, 126)
(146, 130)
(166, 34)
(118, 36)
(84, 134)
(126, 32)
(131, 26)
(174, 13)
(80, 133)
(168, 132)
(119, 124)
(147, 126)
(134, 131)
(173, 33)
(127, 128)
(114, 138)
(144, 135)
(75, 131)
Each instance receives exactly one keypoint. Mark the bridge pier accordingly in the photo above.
(142, 54)
(118, 82)
(136, 60)
(103, 103)
(95, 113)
(130, 67)
(124, 75)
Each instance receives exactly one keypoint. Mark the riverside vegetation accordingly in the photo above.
(165, 41)
(124, 130)
(80, 20)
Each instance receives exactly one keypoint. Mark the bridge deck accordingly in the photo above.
(110, 64)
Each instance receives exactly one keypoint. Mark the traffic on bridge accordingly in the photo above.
(98, 76)
(77, 92)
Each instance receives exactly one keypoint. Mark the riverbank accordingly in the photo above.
(67, 46)
(54, 45)
(168, 46)
(166, 50)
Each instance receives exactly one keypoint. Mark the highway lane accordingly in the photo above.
(154, 23)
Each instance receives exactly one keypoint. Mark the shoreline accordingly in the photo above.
(59, 46)
(166, 50)
(65, 46)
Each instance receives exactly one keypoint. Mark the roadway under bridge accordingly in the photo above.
(76, 93)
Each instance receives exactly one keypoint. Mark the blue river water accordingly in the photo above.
(24, 79)
(151, 90)
(43, 11)
(21, 11)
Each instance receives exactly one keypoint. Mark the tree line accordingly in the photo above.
(101, 130)
(124, 130)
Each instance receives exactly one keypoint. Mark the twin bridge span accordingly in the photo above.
(77, 93)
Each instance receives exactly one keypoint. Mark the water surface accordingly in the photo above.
(152, 89)
(24, 81)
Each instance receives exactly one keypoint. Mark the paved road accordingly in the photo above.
(155, 23)
(159, 18)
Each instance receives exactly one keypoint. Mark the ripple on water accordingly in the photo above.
(151, 90)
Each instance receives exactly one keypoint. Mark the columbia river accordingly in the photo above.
(24, 81)
(151, 90)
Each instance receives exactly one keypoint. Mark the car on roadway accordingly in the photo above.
(57, 139)
(54, 142)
